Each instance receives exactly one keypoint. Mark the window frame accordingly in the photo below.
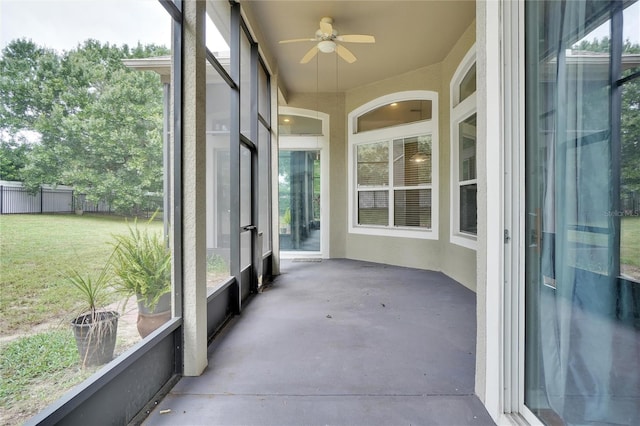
(459, 112)
(321, 143)
(389, 134)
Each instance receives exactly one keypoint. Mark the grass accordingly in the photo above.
(26, 360)
(629, 246)
(35, 253)
(630, 241)
(35, 371)
(217, 270)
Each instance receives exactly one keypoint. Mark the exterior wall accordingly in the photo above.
(456, 261)
(332, 104)
(440, 255)
(415, 253)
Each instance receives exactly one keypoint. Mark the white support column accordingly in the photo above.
(490, 199)
(194, 305)
(275, 188)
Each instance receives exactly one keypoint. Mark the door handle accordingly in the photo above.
(249, 228)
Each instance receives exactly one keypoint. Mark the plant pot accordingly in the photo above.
(148, 323)
(96, 341)
(163, 305)
(150, 319)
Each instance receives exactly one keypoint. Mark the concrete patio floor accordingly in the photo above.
(340, 342)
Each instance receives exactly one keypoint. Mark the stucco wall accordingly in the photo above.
(416, 253)
(454, 260)
(457, 262)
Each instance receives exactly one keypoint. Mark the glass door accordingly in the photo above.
(582, 290)
(248, 228)
(299, 200)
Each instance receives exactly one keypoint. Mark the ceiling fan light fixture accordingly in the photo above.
(327, 46)
(419, 157)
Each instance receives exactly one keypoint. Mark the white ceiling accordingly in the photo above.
(409, 35)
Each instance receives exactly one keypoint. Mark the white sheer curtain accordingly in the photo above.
(577, 346)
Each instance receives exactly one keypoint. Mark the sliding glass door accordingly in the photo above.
(582, 293)
(299, 193)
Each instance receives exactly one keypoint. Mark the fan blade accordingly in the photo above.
(356, 38)
(295, 40)
(345, 53)
(309, 55)
(326, 27)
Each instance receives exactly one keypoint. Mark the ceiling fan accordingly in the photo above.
(326, 37)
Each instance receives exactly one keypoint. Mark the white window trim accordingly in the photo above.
(429, 127)
(503, 72)
(459, 112)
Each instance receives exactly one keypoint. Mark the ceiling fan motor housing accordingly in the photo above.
(322, 36)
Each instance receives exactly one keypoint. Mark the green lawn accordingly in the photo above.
(36, 251)
(630, 241)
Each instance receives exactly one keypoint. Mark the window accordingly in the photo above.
(289, 124)
(218, 200)
(246, 81)
(464, 183)
(218, 131)
(467, 86)
(264, 155)
(393, 154)
(393, 114)
(107, 143)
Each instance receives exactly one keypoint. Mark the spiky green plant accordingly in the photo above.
(94, 326)
(143, 263)
(93, 291)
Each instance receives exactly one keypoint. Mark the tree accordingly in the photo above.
(99, 123)
(13, 157)
(630, 118)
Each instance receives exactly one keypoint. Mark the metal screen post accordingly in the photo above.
(257, 258)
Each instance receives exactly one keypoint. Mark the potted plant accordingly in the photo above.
(96, 328)
(142, 261)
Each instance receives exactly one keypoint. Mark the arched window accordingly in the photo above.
(393, 158)
(464, 182)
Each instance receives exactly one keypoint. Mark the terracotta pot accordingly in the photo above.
(148, 323)
(150, 320)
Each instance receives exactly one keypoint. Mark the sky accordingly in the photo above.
(630, 32)
(61, 25)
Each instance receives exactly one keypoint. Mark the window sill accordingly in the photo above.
(464, 240)
(426, 234)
